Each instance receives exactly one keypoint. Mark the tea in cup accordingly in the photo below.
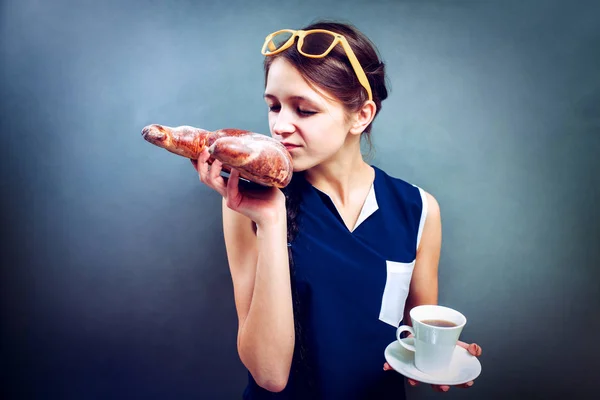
(436, 330)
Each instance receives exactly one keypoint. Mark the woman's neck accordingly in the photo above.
(343, 174)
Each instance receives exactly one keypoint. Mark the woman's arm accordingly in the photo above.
(261, 282)
(424, 282)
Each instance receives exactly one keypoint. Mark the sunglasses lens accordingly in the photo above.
(278, 40)
(317, 43)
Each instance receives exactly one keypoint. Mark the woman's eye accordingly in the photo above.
(277, 108)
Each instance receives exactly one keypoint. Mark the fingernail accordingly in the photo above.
(445, 389)
(470, 383)
(474, 350)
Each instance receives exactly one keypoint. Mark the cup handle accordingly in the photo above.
(401, 329)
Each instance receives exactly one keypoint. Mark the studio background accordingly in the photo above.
(114, 275)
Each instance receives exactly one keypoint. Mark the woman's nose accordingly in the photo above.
(283, 124)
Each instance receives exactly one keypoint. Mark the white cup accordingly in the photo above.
(434, 345)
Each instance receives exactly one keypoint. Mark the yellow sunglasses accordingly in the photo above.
(278, 41)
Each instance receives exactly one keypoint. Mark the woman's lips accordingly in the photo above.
(290, 146)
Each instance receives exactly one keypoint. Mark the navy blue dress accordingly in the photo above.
(350, 288)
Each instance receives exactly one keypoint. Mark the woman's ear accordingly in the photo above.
(363, 117)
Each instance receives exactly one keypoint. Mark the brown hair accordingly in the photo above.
(334, 74)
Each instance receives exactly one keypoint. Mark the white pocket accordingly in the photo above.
(395, 292)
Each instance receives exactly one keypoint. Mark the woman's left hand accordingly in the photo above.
(472, 348)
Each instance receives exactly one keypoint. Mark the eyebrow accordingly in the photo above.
(301, 98)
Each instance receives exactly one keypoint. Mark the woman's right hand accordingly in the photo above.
(261, 206)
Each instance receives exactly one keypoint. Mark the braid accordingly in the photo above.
(293, 198)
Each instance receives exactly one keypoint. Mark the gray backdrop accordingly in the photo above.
(114, 275)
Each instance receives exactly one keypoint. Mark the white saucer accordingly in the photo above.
(463, 368)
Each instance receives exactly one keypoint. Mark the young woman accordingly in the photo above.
(325, 270)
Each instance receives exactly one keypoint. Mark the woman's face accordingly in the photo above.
(311, 125)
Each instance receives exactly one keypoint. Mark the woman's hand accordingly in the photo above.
(260, 206)
(472, 348)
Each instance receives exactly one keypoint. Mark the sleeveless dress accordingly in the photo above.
(350, 288)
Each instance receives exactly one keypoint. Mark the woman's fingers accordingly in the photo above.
(475, 349)
(388, 367)
(215, 179)
(215, 170)
(437, 388)
(210, 175)
(204, 156)
(233, 183)
(203, 166)
(234, 198)
(472, 348)
(466, 385)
